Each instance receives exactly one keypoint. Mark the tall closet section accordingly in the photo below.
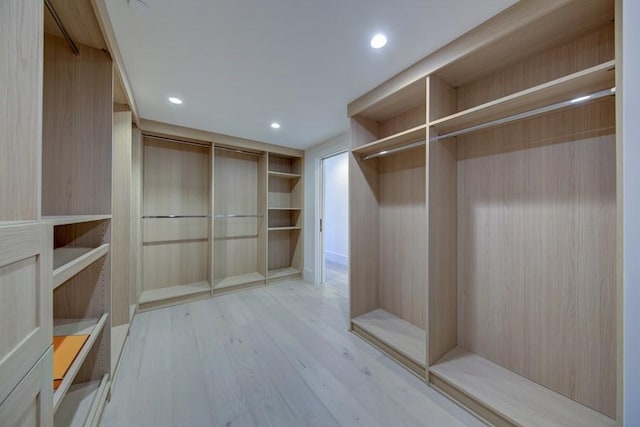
(509, 283)
(76, 200)
(239, 236)
(285, 201)
(176, 221)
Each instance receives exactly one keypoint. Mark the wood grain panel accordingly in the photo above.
(174, 264)
(406, 120)
(79, 20)
(156, 230)
(364, 230)
(121, 256)
(587, 51)
(21, 109)
(280, 253)
(263, 235)
(536, 263)
(403, 235)
(236, 193)
(136, 216)
(77, 130)
(176, 178)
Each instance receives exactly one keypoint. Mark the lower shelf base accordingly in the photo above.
(165, 297)
(83, 404)
(280, 274)
(237, 283)
(504, 398)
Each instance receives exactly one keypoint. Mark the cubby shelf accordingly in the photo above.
(69, 261)
(285, 175)
(91, 327)
(406, 137)
(82, 403)
(407, 339)
(583, 82)
(284, 228)
(284, 209)
(74, 219)
(281, 273)
(238, 281)
(513, 397)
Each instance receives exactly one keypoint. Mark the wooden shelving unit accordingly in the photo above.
(285, 217)
(519, 217)
(171, 295)
(81, 405)
(91, 327)
(69, 261)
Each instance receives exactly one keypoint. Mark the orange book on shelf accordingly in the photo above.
(65, 351)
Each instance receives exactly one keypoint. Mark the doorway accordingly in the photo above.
(334, 222)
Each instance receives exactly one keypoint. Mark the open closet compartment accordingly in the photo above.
(388, 220)
(176, 221)
(522, 223)
(76, 202)
(284, 219)
(239, 222)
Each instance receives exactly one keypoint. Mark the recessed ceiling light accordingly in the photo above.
(174, 100)
(275, 125)
(138, 5)
(378, 41)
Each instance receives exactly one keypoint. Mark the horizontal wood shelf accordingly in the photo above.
(82, 403)
(74, 219)
(600, 77)
(281, 273)
(92, 327)
(285, 209)
(507, 394)
(402, 336)
(239, 280)
(284, 228)
(285, 175)
(416, 134)
(69, 261)
(171, 295)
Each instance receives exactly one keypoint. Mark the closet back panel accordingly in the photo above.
(536, 251)
(403, 225)
(236, 193)
(176, 181)
(77, 129)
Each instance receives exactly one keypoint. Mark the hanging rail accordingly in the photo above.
(497, 122)
(179, 141)
(237, 150)
(530, 113)
(63, 29)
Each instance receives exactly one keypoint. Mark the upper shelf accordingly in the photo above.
(74, 219)
(413, 135)
(69, 261)
(573, 86)
(285, 175)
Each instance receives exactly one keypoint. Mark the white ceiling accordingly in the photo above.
(241, 64)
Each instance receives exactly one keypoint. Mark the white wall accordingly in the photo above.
(336, 209)
(312, 163)
(631, 183)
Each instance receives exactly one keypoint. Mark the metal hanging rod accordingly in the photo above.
(63, 30)
(394, 150)
(179, 141)
(220, 216)
(530, 113)
(175, 216)
(237, 150)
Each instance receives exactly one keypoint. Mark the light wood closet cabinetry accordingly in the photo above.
(239, 222)
(285, 201)
(176, 222)
(76, 201)
(490, 214)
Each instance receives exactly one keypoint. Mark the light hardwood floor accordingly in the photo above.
(274, 356)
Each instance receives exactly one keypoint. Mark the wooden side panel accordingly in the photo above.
(406, 120)
(263, 191)
(442, 229)
(593, 48)
(25, 300)
(121, 256)
(77, 130)
(364, 230)
(403, 235)
(536, 279)
(171, 264)
(236, 193)
(136, 216)
(21, 108)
